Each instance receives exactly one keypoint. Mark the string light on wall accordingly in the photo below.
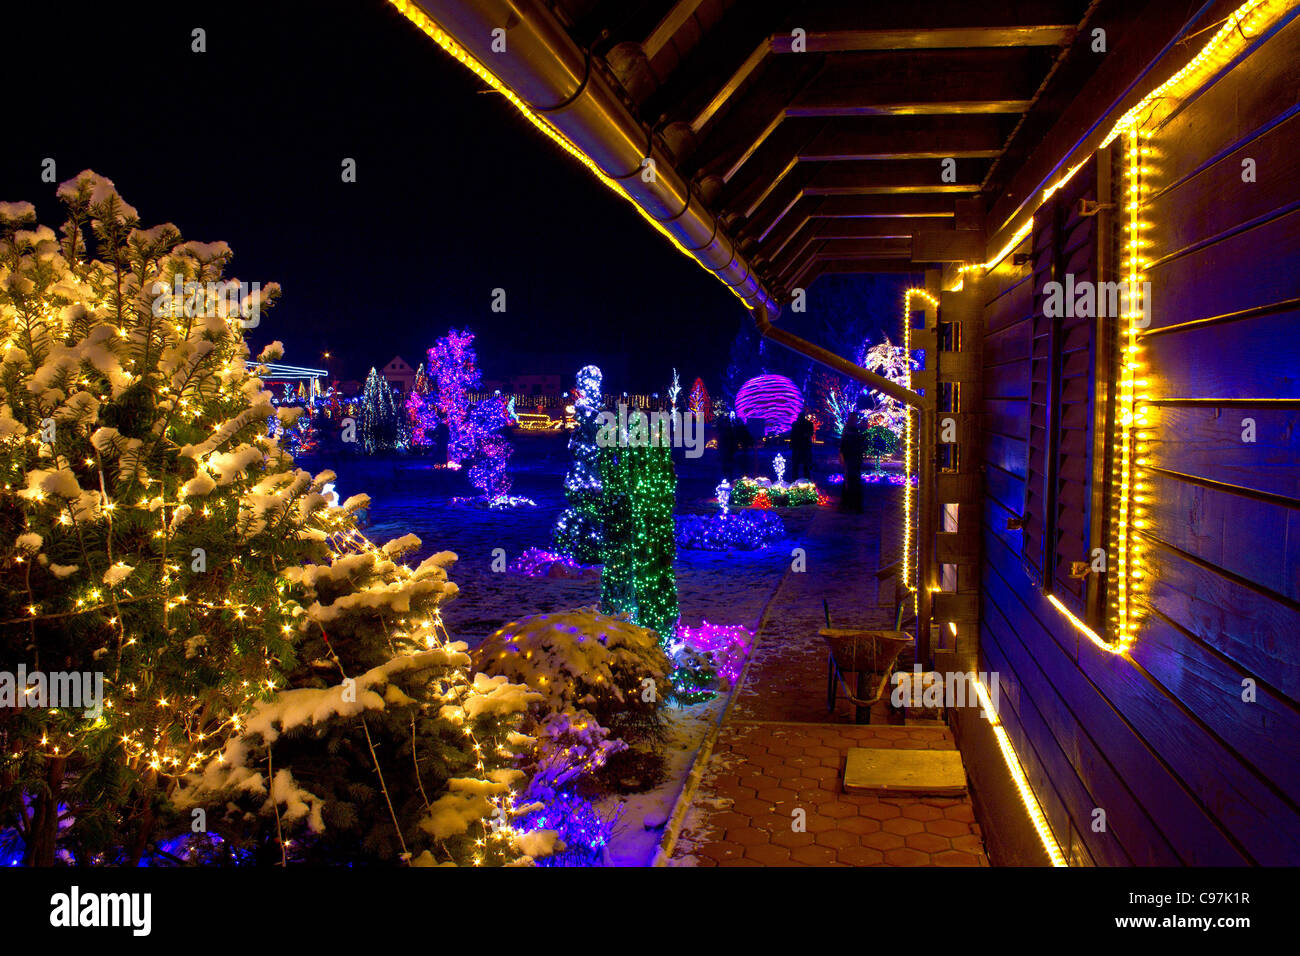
(1234, 35)
(910, 462)
(1032, 807)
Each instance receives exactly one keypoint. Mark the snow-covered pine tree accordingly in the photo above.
(383, 747)
(578, 531)
(155, 538)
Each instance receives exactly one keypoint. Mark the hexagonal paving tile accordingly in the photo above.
(837, 839)
(769, 854)
(905, 856)
(861, 856)
(882, 841)
(859, 825)
(880, 811)
(955, 858)
(948, 828)
(746, 837)
(903, 825)
(922, 811)
(788, 838)
(925, 842)
(814, 855)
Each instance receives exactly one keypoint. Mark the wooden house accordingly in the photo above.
(1104, 198)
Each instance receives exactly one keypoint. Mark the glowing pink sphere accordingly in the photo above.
(773, 398)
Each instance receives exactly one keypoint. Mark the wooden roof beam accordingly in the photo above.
(681, 11)
(945, 38)
(857, 139)
(845, 41)
(860, 179)
(893, 206)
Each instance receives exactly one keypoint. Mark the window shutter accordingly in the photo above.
(1072, 394)
(1059, 501)
(1034, 542)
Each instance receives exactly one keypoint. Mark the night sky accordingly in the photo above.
(455, 194)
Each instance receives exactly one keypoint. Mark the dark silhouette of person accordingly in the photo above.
(801, 447)
(727, 446)
(745, 446)
(851, 450)
(441, 436)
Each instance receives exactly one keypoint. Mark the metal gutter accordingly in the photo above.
(522, 49)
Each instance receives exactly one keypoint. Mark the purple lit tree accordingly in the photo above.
(453, 367)
(489, 448)
(421, 410)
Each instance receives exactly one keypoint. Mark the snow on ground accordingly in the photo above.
(409, 495)
(640, 828)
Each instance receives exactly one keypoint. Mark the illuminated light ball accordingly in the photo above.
(773, 398)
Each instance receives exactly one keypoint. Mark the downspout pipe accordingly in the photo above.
(558, 80)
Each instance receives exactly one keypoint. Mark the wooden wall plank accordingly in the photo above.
(1006, 453)
(1216, 199)
(1259, 636)
(1210, 442)
(1183, 821)
(1253, 358)
(1035, 698)
(1211, 687)
(1258, 541)
(1250, 96)
(1245, 271)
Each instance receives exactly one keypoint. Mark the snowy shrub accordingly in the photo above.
(584, 661)
(569, 751)
(694, 677)
(582, 831)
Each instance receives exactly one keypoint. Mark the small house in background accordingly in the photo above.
(535, 384)
(399, 374)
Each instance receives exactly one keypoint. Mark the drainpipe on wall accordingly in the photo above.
(560, 82)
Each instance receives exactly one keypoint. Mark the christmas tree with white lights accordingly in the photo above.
(578, 532)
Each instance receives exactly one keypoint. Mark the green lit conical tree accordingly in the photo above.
(617, 588)
(638, 495)
(654, 489)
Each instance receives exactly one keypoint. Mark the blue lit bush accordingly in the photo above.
(741, 530)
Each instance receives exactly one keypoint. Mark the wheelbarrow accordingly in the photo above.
(868, 653)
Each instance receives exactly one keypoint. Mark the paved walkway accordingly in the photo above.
(771, 794)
